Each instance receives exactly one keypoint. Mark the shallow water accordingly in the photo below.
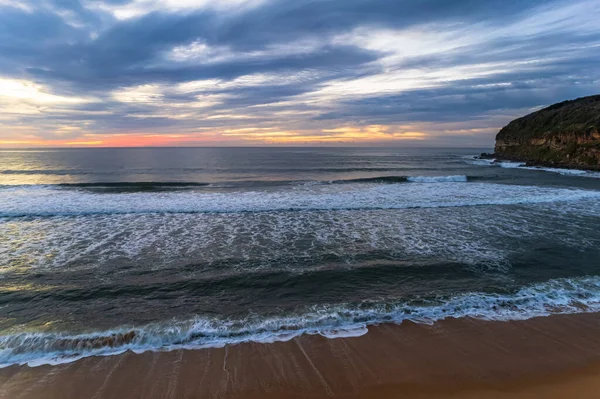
(106, 250)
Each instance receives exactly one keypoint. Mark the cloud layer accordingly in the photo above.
(254, 72)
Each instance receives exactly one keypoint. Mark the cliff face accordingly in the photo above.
(566, 134)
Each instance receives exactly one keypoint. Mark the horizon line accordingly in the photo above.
(235, 146)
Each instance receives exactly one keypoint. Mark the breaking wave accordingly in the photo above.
(475, 160)
(559, 296)
(49, 202)
(181, 185)
(44, 201)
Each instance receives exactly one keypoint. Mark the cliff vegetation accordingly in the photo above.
(566, 134)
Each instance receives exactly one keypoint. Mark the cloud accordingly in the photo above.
(276, 71)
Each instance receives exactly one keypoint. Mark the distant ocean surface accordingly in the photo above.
(108, 250)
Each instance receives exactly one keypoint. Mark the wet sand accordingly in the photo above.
(547, 357)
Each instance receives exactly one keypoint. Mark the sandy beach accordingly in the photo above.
(546, 357)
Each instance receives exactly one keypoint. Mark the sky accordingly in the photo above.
(287, 72)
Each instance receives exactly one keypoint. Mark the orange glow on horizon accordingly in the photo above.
(370, 133)
(84, 143)
(365, 134)
(117, 140)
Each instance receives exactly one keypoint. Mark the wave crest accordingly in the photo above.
(560, 296)
(44, 201)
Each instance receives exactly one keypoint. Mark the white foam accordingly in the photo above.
(437, 179)
(566, 172)
(44, 201)
(482, 236)
(345, 332)
(562, 171)
(474, 160)
(560, 296)
(511, 165)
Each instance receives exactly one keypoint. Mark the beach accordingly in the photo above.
(313, 273)
(309, 199)
(545, 357)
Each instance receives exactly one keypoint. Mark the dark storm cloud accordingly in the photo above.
(79, 49)
(457, 103)
(114, 70)
(549, 82)
(561, 48)
(126, 49)
(285, 20)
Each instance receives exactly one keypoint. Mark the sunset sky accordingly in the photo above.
(287, 72)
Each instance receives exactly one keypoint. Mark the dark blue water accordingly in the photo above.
(106, 250)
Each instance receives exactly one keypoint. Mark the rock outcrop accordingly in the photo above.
(566, 135)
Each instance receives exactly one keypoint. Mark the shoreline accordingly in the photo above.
(552, 357)
(497, 158)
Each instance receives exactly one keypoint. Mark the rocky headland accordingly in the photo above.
(565, 135)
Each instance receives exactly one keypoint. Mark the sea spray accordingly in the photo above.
(558, 296)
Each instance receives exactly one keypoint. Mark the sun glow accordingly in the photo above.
(239, 136)
(15, 90)
(351, 134)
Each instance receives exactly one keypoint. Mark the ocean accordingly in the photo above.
(103, 251)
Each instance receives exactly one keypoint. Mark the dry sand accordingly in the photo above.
(547, 357)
